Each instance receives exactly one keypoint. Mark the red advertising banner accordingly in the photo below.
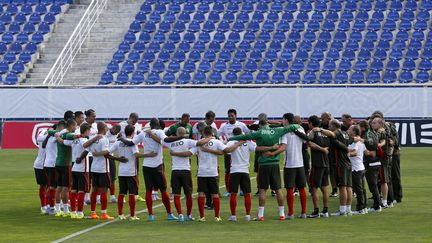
(20, 135)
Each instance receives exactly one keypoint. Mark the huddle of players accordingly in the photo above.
(326, 145)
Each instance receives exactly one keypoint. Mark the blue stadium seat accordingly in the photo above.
(425, 65)
(25, 57)
(278, 77)
(246, 78)
(113, 67)
(262, 78)
(153, 78)
(406, 77)
(309, 78)
(390, 77)
(422, 77)
(293, 78)
(137, 78)
(271, 55)
(392, 65)
(174, 67)
(199, 78)
(215, 78)
(345, 65)
(358, 77)
(128, 67)
(341, 77)
(11, 79)
(122, 78)
(4, 67)
(106, 78)
(326, 77)
(297, 65)
(143, 66)
(374, 77)
(169, 78)
(230, 78)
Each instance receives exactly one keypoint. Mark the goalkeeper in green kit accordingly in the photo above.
(267, 139)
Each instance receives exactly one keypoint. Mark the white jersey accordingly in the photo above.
(77, 149)
(227, 128)
(151, 145)
(130, 167)
(40, 159)
(293, 156)
(207, 162)
(357, 161)
(240, 156)
(123, 124)
(195, 130)
(51, 152)
(100, 163)
(111, 137)
(183, 145)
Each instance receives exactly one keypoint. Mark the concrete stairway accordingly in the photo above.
(51, 50)
(104, 39)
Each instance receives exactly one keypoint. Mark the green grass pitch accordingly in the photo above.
(410, 221)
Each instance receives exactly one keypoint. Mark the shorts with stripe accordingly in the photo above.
(343, 176)
(294, 177)
(51, 175)
(41, 178)
(80, 181)
(64, 176)
(319, 177)
(240, 179)
(154, 178)
(101, 180)
(128, 185)
(181, 179)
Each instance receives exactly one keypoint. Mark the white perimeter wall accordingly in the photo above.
(401, 102)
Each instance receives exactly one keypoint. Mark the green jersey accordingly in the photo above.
(173, 130)
(64, 153)
(267, 136)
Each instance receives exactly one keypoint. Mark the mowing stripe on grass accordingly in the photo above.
(114, 220)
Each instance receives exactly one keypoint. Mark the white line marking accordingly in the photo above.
(426, 141)
(404, 133)
(426, 134)
(115, 220)
(413, 134)
(426, 126)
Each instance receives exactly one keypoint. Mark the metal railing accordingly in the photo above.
(74, 44)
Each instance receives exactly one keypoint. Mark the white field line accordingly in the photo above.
(68, 237)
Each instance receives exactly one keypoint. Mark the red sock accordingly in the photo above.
(303, 199)
(166, 202)
(201, 202)
(120, 204)
(177, 204)
(52, 197)
(93, 196)
(216, 203)
(104, 200)
(149, 202)
(233, 203)
(112, 189)
(42, 196)
(189, 204)
(227, 181)
(290, 201)
(81, 201)
(132, 205)
(248, 203)
(72, 199)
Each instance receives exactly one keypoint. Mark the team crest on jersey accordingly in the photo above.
(38, 129)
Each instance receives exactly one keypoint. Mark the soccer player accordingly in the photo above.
(208, 173)
(90, 118)
(320, 167)
(269, 173)
(80, 170)
(112, 135)
(346, 122)
(343, 175)
(50, 145)
(209, 121)
(226, 131)
(100, 172)
(153, 169)
(325, 121)
(372, 163)
(181, 176)
(294, 174)
(128, 177)
(305, 151)
(133, 121)
(79, 119)
(239, 173)
(41, 178)
(184, 122)
(62, 166)
(356, 151)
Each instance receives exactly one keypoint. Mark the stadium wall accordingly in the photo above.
(171, 102)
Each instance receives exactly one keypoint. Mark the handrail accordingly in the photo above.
(73, 46)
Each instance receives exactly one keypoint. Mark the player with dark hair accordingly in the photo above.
(68, 115)
(269, 173)
(112, 135)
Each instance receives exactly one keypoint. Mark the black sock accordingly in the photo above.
(325, 210)
(334, 190)
(316, 211)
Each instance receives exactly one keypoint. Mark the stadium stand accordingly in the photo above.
(263, 41)
(25, 26)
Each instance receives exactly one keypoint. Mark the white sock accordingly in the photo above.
(98, 198)
(87, 197)
(247, 217)
(348, 208)
(154, 192)
(113, 197)
(260, 212)
(384, 202)
(44, 208)
(103, 211)
(65, 208)
(57, 207)
(282, 211)
(80, 213)
(342, 208)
